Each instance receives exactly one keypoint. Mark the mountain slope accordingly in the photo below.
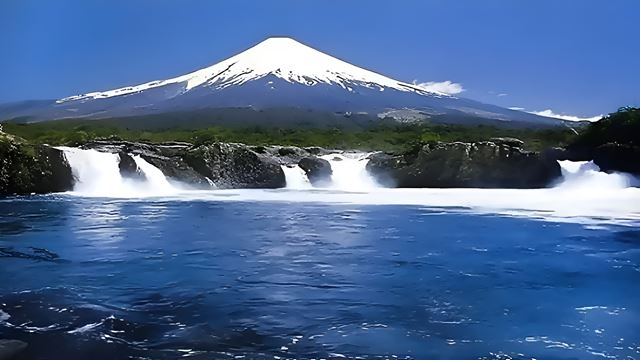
(278, 72)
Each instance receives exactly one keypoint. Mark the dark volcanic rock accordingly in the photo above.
(481, 164)
(26, 168)
(318, 170)
(168, 157)
(235, 166)
(52, 172)
(177, 169)
(618, 157)
(129, 168)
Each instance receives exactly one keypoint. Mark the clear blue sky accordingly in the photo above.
(578, 57)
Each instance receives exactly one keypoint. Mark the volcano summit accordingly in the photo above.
(279, 72)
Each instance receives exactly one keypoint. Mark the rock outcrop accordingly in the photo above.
(168, 157)
(318, 170)
(614, 157)
(27, 168)
(491, 164)
(235, 166)
(129, 168)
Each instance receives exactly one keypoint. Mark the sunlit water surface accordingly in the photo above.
(205, 277)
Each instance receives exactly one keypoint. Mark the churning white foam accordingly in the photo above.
(97, 174)
(587, 175)
(155, 179)
(296, 178)
(583, 195)
(350, 172)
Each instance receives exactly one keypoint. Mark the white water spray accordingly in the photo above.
(584, 193)
(296, 178)
(156, 180)
(587, 175)
(350, 172)
(98, 174)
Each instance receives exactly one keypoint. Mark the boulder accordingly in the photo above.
(318, 170)
(129, 168)
(235, 166)
(615, 157)
(461, 165)
(175, 168)
(316, 150)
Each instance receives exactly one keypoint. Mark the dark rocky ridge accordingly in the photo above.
(610, 157)
(235, 166)
(500, 163)
(613, 157)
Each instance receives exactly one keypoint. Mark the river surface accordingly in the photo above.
(160, 278)
(150, 269)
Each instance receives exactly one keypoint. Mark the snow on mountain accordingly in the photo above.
(278, 73)
(282, 57)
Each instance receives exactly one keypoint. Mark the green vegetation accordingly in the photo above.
(18, 163)
(380, 137)
(622, 126)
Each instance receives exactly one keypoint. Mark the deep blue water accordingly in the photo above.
(108, 279)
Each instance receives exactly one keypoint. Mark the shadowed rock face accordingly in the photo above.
(318, 170)
(26, 169)
(129, 168)
(618, 158)
(235, 166)
(499, 164)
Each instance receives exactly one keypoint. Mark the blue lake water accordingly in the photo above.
(85, 278)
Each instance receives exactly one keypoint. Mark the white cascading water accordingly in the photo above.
(98, 174)
(296, 178)
(156, 180)
(587, 175)
(584, 192)
(349, 173)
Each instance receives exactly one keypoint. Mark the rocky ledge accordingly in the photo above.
(32, 169)
(218, 165)
(500, 163)
(610, 157)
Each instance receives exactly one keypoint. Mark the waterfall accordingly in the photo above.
(156, 180)
(98, 174)
(296, 178)
(587, 175)
(349, 172)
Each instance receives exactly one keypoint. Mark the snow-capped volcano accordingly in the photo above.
(279, 72)
(281, 57)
